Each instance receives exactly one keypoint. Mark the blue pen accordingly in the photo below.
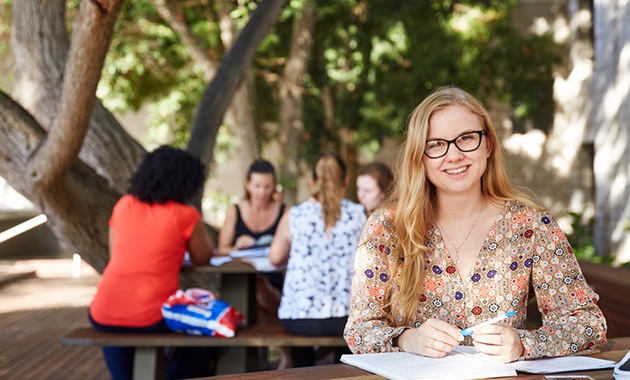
(501, 317)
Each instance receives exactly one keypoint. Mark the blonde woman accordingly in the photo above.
(459, 245)
(317, 239)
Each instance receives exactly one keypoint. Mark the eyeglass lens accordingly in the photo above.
(466, 142)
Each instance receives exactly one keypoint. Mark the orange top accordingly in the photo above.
(147, 249)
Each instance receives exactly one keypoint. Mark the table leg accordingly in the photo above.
(148, 363)
(231, 360)
(239, 290)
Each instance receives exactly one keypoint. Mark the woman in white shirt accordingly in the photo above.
(317, 240)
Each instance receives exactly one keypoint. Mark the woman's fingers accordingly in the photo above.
(244, 241)
(499, 342)
(440, 337)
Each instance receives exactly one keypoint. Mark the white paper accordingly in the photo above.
(217, 261)
(405, 366)
(618, 372)
(464, 363)
(251, 252)
(562, 364)
(262, 264)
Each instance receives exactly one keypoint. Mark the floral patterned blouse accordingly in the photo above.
(524, 247)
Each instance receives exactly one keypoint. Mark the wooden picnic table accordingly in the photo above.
(614, 350)
(238, 288)
(238, 284)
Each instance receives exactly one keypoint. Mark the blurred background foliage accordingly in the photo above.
(372, 60)
(376, 59)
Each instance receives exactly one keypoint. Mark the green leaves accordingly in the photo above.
(375, 59)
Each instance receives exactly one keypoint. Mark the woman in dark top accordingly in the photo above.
(252, 223)
(261, 238)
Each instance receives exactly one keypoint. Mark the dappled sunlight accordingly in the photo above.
(569, 126)
(619, 186)
(540, 25)
(611, 111)
(624, 61)
(49, 293)
(612, 102)
(530, 144)
(623, 77)
(582, 71)
(624, 252)
(54, 287)
(561, 30)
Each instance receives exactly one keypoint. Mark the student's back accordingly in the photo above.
(319, 271)
(317, 239)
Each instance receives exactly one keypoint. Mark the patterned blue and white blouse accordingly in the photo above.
(319, 272)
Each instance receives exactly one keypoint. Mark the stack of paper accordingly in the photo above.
(405, 366)
(464, 363)
(622, 369)
(251, 252)
(217, 261)
(262, 264)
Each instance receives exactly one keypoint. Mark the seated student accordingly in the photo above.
(252, 223)
(151, 228)
(317, 240)
(459, 245)
(374, 183)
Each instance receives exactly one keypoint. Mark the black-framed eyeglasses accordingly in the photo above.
(466, 142)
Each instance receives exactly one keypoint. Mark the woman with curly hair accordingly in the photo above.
(150, 230)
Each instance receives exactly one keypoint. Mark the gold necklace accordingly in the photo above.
(457, 248)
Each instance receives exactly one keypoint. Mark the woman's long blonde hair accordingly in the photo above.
(329, 176)
(415, 199)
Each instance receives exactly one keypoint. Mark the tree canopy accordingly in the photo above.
(375, 59)
(368, 63)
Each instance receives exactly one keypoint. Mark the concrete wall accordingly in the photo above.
(39, 241)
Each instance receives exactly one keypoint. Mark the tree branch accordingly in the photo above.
(40, 46)
(171, 12)
(218, 95)
(92, 31)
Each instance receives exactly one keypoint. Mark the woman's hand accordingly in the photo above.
(499, 342)
(244, 241)
(435, 338)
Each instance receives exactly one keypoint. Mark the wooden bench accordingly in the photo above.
(148, 353)
(613, 287)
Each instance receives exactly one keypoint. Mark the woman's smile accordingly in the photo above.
(458, 170)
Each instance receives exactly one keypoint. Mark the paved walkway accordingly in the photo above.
(35, 310)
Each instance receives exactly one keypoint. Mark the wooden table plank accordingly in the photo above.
(614, 350)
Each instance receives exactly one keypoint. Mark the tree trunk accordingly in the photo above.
(234, 66)
(567, 173)
(291, 99)
(610, 113)
(40, 47)
(240, 114)
(83, 227)
(76, 200)
(79, 198)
